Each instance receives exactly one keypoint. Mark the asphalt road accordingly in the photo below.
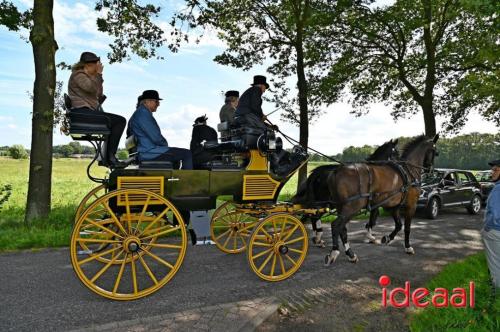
(39, 290)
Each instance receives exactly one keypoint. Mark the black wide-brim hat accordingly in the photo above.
(494, 163)
(259, 79)
(88, 57)
(233, 93)
(149, 94)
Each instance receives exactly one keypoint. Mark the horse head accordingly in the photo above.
(387, 151)
(421, 152)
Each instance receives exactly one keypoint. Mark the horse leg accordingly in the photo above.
(337, 225)
(317, 232)
(371, 223)
(387, 239)
(353, 258)
(409, 213)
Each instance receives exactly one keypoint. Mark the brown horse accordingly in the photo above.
(358, 186)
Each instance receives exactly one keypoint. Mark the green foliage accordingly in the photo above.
(132, 26)
(122, 154)
(18, 151)
(436, 56)
(485, 316)
(5, 192)
(12, 18)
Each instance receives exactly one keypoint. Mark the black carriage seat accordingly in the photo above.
(85, 127)
(131, 146)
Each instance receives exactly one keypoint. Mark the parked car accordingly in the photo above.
(449, 188)
(486, 183)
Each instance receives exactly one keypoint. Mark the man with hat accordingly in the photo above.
(249, 111)
(151, 145)
(491, 229)
(86, 94)
(226, 113)
(202, 133)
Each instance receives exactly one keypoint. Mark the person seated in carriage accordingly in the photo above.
(85, 92)
(249, 111)
(202, 133)
(151, 145)
(227, 111)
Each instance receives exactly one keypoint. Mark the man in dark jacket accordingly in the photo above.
(202, 133)
(249, 111)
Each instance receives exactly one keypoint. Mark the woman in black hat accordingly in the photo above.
(86, 94)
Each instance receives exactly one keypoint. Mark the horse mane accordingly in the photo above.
(376, 155)
(411, 145)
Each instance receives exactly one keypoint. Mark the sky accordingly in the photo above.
(189, 82)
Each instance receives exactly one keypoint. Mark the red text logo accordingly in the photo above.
(460, 297)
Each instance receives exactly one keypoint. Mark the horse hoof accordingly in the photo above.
(410, 251)
(329, 259)
(319, 244)
(371, 238)
(385, 240)
(354, 259)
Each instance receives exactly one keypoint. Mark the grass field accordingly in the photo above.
(484, 317)
(69, 185)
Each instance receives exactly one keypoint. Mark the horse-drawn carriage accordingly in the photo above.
(130, 239)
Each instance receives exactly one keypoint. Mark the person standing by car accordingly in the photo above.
(491, 230)
(86, 95)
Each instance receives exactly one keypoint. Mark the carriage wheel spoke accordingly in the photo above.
(227, 240)
(96, 240)
(115, 219)
(161, 233)
(127, 209)
(261, 253)
(148, 270)
(295, 240)
(266, 261)
(273, 265)
(243, 240)
(134, 274)
(120, 273)
(137, 227)
(290, 259)
(164, 262)
(154, 221)
(161, 245)
(105, 268)
(296, 250)
(221, 235)
(262, 244)
(282, 228)
(282, 264)
(103, 228)
(91, 258)
(294, 228)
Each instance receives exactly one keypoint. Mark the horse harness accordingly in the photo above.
(401, 168)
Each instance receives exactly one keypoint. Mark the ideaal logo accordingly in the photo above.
(419, 297)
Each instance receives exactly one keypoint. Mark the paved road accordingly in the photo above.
(41, 292)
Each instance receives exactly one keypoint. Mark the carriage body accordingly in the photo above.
(130, 236)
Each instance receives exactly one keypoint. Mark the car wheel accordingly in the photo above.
(475, 205)
(433, 208)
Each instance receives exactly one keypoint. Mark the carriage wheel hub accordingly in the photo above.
(280, 248)
(132, 244)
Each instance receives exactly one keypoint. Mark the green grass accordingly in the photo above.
(69, 185)
(485, 316)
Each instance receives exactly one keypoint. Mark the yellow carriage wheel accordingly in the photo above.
(230, 229)
(89, 199)
(143, 231)
(277, 247)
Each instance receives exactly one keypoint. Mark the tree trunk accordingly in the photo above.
(429, 117)
(304, 114)
(44, 49)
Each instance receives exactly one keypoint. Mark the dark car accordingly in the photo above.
(486, 183)
(449, 188)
